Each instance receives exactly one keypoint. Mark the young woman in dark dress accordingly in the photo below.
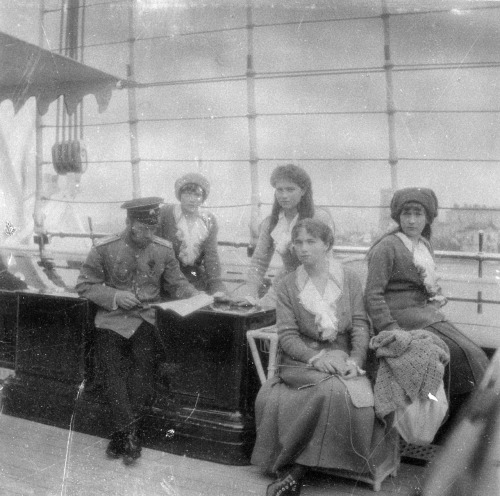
(402, 290)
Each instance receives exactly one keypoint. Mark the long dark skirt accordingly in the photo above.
(468, 362)
(467, 365)
(319, 426)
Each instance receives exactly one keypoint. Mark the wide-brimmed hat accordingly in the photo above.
(425, 196)
(192, 178)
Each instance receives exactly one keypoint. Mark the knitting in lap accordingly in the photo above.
(411, 365)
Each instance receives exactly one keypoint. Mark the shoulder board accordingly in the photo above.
(161, 241)
(107, 240)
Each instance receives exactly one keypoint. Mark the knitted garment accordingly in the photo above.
(411, 365)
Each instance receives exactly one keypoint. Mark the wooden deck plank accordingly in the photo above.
(42, 460)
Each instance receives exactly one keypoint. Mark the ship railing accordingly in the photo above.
(234, 274)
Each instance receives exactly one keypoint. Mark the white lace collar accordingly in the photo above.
(323, 307)
(282, 233)
(423, 261)
(191, 236)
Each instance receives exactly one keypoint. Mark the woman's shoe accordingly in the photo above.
(287, 486)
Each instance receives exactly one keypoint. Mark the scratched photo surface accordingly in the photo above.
(105, 101)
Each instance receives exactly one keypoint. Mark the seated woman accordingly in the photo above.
(293, 200)
(318, 411)
(402, 291)
(193, 233)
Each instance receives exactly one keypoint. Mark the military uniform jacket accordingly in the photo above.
(116, 263)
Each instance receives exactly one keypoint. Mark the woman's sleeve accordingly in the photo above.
(261, 259)
(380, 265)
(360, 327)
(211, 259)
(288, 326)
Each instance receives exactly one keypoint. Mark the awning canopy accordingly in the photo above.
(27, 70)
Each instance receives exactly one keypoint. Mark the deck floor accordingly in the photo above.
(41, 460)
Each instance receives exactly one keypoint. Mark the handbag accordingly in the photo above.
(418, 422)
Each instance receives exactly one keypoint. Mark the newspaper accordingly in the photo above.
(186, 306)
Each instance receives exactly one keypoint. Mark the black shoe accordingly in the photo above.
(132, 449)
(116, 446)
(287, 486)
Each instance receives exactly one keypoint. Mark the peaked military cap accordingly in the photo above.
(145, 210)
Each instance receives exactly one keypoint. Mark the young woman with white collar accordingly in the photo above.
(318, 412)
(193, 233)
(402, 290)
(293, 200)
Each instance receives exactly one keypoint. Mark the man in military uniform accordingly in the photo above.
(123, 275)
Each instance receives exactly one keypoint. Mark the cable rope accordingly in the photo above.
(284, 114)
(153, 84)
(68, 151)
(375, 16)
(289, 23)
(295, 159)
(486, 65)
(187, 160)
(192, 33)
(316, 73)
(240, 205)
(127, 161)
(444, 111)
(448, 66)
(200, 118)
(115, 123)
(465, 160)
(108, 2)
(327, 159)
(421, 12)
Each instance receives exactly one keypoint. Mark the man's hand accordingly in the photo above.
(126, 300)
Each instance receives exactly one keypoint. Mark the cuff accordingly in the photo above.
(359, 370)
(114, 306)
(311, 360)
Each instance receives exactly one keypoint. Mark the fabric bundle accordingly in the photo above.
(411, 365)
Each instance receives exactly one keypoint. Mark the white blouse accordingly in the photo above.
(323, 307)
(425, 265)
(282, 233)
(191, 235)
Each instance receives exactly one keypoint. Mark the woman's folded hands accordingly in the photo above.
(335, 362)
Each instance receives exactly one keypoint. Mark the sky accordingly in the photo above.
(334, 125)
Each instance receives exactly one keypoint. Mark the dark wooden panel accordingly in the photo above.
(50, 337)
(208, 360)
(8, 321)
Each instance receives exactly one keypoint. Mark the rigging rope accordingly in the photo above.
(241, 205)
(68, 153)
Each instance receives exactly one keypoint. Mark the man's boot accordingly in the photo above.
(132, 450)
(116, 446)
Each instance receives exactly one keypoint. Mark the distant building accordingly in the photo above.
(464, 223)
